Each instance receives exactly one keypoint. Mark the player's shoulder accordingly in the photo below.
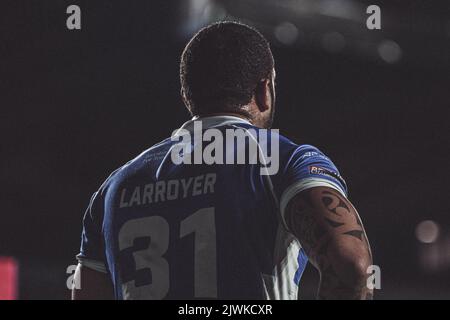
(133, 166)
(304, 155)
(289, 148)
(308, 151)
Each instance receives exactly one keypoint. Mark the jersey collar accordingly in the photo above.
(210, 122)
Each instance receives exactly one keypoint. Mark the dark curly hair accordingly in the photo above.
(221, 67)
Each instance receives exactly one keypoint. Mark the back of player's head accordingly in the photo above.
(221, 67)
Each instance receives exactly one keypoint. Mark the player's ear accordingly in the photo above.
(263, 98)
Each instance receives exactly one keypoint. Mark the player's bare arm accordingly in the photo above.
(332, 234)
(94, 285)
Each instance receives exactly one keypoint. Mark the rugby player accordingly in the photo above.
(161, 229)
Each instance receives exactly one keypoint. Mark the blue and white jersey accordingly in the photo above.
(167, 230)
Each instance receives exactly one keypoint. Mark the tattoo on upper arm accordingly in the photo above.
(317, 216)
(337, 218)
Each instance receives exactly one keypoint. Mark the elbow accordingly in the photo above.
(357, 271)
(352, 266)
(346, 280)
(347, 275)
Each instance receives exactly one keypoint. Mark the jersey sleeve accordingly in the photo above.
(92, 252)
(307, 168)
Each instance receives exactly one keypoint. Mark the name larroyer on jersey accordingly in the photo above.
(168, 190)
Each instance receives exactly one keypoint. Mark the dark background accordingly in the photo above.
(77, 104)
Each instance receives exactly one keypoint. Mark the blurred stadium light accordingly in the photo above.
(287, 33)
(336, 26)
(427, 231)
(195, 14)
(390, 51)
(434, 248)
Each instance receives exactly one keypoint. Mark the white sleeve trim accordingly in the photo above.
(302, 185)
(95, 265)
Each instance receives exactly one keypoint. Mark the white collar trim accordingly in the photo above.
(209, 122)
